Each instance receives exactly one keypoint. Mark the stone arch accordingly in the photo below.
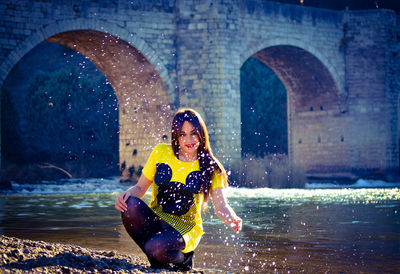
(333, 69)
(305, 77)
(145, 100)
(59, 26)
(315, 134)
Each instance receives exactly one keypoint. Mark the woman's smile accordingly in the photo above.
(191, 145)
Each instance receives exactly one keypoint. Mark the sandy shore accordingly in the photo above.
(26, 256)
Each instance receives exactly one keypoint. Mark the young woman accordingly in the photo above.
(183, 175)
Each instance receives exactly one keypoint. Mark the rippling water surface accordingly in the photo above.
(290, 230)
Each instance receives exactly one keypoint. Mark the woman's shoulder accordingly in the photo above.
(163, 148)
(163, 152)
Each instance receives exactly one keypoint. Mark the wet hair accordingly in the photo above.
(207, 161)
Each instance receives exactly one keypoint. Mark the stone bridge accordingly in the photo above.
(340, 70)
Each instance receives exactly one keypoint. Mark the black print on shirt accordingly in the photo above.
(175, 197)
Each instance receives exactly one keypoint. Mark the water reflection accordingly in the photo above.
(333, 230)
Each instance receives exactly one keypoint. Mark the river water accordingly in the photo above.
(335, 230)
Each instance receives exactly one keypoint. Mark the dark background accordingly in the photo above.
(351, 4)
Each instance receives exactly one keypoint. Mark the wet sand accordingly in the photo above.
(26, 256)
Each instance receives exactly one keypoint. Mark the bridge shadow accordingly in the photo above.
(82, 262)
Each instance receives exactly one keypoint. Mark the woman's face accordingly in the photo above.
(188, 139)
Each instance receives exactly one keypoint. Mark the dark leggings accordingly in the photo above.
(159, 241)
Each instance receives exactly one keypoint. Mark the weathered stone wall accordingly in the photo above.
(371, 48)
(340, 69)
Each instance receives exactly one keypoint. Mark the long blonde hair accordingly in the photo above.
(208, 162)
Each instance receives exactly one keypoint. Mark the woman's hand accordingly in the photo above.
(224, 211)
(120, 200)
(137, 190)
(236, 224)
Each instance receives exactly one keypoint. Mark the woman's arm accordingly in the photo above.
(137, 190)
(224, 211)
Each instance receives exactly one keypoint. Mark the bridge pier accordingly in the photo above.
(372, 73)
(209, 77)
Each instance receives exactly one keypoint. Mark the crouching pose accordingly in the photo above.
(183, 175)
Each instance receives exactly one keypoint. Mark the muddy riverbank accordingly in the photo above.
(26, 256)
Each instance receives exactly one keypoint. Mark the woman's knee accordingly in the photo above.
(135, 206)
(134, 202)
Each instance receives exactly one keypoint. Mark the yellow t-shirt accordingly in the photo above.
(176, 195)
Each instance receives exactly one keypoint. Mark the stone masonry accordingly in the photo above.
(340, 69)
